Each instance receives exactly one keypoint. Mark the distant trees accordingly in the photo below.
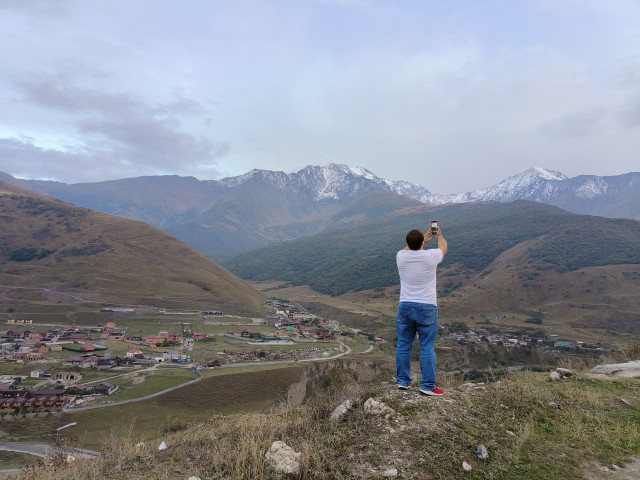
(458, 327)
(28, 253)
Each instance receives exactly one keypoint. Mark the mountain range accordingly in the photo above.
(223, 217)
(522, 257)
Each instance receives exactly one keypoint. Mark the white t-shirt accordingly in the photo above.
(417, 269)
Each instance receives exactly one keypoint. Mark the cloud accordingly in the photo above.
(452, 95)
(115, 130)
(581, 124)
(629, 115)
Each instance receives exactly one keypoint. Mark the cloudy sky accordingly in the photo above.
(452, 95)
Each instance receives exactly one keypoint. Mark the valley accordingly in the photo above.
(277, 327)
(211, 360)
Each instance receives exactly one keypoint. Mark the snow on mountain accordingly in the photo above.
(538, 184)
(329, 182)
(336, 182)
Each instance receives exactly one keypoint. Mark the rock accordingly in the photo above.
(482, 452)
(555, 376)
(630, 369)
(555, 405)
(162, 446)
(70, 459)
(510, 433)
(340, 410)
(564, 371)
(283, 458)
(466, 467)
(392, 472)
(374, 406)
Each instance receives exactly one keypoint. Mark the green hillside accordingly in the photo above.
(361, 257)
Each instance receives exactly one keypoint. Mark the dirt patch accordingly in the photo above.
(138, 379)
(630, 471)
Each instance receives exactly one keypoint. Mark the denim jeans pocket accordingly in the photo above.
(426, 316)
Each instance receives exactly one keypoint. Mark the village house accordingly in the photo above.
(171, 354)
(84, 361)
(23, 400)
(152, 340)
(27, 356)
(79, 336)
(172, 337)
(78, 390)
(114, 335)
(322, 334)
(34, 336)
(104, 388)
(135, 353)
(66, 376)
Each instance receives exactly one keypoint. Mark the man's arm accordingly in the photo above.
(442, 243)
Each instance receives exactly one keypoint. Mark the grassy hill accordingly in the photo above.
(421, 437)
(520, 267)
(361, 257)
(54, 251)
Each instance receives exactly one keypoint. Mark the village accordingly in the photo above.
(71, 349)
(59, 355)
(484, 337)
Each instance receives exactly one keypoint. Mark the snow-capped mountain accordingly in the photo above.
(583, 194)
(538, 184)
(219, 217)
(330, 182)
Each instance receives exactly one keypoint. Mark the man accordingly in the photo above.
(418, 311)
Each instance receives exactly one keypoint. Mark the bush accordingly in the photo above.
(23, 254)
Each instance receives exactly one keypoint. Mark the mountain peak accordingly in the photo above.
(544, 173)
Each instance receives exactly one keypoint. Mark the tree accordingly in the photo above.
(458, 327)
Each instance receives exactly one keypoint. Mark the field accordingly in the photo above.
(222, 391)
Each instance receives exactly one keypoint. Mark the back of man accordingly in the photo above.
(418, 311)
(417, 269)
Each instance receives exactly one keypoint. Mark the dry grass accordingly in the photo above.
(422, 437)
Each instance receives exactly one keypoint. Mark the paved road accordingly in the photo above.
(124, 402)
(44, 450)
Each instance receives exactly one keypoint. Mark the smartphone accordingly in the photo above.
(434, 227)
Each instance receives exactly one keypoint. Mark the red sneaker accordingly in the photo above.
(435, 391)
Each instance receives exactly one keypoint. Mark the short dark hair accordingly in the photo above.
(415, 239)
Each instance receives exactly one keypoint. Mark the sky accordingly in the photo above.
(452, 95)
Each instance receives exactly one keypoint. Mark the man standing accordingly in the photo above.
(418, 311)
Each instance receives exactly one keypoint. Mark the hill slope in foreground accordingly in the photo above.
(54, 251)
(412, 437)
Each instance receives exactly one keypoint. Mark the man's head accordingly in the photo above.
(415, 239)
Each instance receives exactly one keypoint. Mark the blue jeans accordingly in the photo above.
(420, 318)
